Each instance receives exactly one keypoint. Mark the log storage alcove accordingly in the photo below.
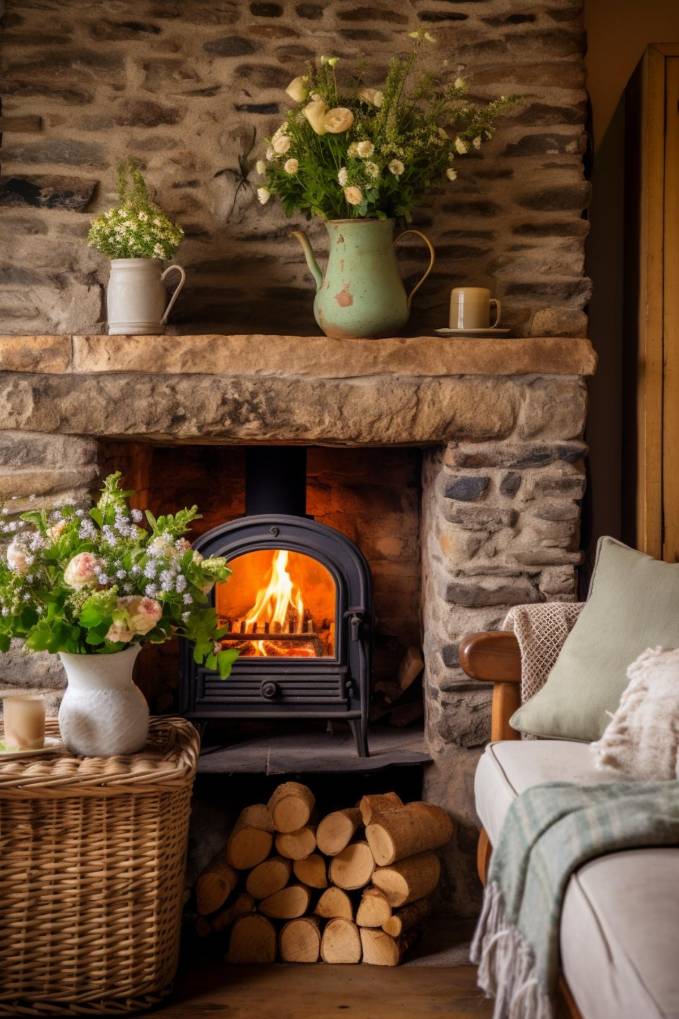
(355, 885)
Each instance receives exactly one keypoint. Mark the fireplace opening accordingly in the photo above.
(288, 606)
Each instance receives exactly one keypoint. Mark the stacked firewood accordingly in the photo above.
(355, 887)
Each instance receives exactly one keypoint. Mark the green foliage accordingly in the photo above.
(96, 581)
(136, 227)
(369, 152)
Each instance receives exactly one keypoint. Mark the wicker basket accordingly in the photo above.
(92, 855)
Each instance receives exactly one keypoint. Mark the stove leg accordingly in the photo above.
(359, 729)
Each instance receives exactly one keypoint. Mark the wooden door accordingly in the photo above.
(651, 441)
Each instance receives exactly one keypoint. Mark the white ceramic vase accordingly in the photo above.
(103, 713)
(136, 300)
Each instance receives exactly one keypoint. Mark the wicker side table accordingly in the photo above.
(92, 856)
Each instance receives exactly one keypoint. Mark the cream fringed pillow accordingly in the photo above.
(642, 738)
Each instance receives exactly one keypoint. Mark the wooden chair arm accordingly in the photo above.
(495, 657)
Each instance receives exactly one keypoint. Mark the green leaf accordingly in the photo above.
(225, 661)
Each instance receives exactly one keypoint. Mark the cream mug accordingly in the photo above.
(470, 308)
(24, 721)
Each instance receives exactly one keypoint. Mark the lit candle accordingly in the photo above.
(24, 722)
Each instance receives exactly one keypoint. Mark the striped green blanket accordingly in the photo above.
(549, 832)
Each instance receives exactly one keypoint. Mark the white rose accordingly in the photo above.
(396, 167)
(291, 166)
(338, 120)
(461, 146)
(263, 195)
(281, 144)
(459, 83)
(353, 195)
(315, 112)
(372, 169)
(352, 150)
(260, 167)
(365, 149)
(372, 96)
(451, 174)
(477, 142)
(17, 557)
(82, 570)
(297, 88)
(269, 154)
(342, 176)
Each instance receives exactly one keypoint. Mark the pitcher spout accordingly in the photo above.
(314, 268)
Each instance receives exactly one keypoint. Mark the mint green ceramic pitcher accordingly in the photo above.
(361, 293)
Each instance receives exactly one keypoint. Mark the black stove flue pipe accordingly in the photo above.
(275, 480)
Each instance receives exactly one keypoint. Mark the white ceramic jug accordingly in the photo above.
(136, 299)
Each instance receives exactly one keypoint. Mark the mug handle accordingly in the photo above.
(498, 311)
(432, 259)
(177, 289)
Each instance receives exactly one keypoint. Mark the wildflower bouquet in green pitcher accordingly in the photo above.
(361, 158)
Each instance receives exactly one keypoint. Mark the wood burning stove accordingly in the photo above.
(298, 607)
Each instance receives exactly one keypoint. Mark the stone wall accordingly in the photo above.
(185, 84)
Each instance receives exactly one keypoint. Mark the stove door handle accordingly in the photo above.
(269, 690)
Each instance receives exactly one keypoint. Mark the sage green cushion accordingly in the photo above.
(633, 604)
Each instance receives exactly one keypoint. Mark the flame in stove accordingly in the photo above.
(276, 603)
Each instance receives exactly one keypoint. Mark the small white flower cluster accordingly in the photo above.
(130, 232)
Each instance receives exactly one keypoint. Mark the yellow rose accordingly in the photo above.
(338, 119)
(353, 195)
(372, 96)
(297, 88)
(315, 112)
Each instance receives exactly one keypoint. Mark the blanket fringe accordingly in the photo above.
(506, 967)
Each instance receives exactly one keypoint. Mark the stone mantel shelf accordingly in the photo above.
(297, 356)
(291, 389)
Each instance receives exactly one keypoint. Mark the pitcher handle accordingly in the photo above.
(432, 259)
(177, 289)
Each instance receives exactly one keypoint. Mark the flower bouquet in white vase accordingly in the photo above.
(93, 587)
(137, 236)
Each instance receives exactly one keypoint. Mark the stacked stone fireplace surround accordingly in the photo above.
(472, 453)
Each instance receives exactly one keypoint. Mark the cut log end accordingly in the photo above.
(409, 879)
(336, 830)
(405, 831)
(376, 802)
(374, 909)
(312, 871)
(253, 940)
(291, 805)
(353, 867)
(341, 942)
(334, 903)
(268, 877)
(379, 949)
(300, 940)
(287, 904)
(248, 846)
(215, 884)
(296, 845)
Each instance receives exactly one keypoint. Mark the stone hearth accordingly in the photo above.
(500, 423)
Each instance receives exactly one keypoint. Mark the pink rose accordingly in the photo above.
(56, 530)
(82, 570)
(142, 614)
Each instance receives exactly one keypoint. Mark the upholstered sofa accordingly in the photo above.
(619, 936)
